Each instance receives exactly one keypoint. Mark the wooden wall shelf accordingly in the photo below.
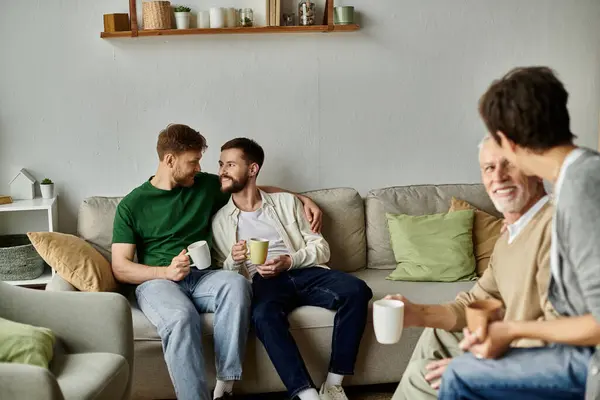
(328, 26)
(216, 31)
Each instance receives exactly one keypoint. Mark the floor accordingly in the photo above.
(375, 392)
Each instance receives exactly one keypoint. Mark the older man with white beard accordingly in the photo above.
(518, 275)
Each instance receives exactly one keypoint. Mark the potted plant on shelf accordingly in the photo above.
(47, 188)
(182, 17)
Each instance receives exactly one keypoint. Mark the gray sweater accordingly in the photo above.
(576, 290)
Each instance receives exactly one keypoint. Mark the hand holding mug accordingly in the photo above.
(179, 267)
(238, 251)
(412, 312)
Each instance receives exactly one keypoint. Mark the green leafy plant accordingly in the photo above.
(47, 181)
(182, 9)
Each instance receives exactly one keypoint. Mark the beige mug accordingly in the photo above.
(257, 250)
(481, 313)
(200, 254)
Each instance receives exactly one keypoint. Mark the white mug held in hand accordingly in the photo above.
(200, 254)
(388, 320)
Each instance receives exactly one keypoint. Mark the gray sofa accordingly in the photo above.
(93, 356)
(356, 230)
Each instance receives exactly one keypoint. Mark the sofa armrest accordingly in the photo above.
(84, 322)
(58, 284)
(22, 381)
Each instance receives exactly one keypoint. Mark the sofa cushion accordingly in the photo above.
(434, 247)
(418, 292)
(486, 231)
(343, 227)
(75, 260)
(412, 200)
(25, 344)
(301, 318)
(95, 222)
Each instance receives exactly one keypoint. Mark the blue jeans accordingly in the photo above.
(275, 298)
(175, 307)
(544, 373)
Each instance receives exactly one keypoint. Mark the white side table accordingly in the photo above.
(37, 204)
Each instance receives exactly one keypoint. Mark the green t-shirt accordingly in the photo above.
(161, 223)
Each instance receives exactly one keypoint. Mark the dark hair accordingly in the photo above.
(177, 139)
(252, 151)
(528, 105)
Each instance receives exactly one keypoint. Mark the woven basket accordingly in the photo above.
(157, 15)
(18, 259)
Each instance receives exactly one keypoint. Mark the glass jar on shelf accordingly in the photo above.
(307, 13)
(246, 17)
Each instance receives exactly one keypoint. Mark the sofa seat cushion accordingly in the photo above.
(315, 317)
(93, 376)
(301, 318)
(417, 292)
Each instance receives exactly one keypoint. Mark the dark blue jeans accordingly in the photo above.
(542, 373)
(275, 298)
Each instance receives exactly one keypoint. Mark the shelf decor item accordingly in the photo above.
(47, 188)
(246, 17)
(18, 259)
(217, 17)
(307, 12)
(157, 15)
(204, 19)
(116, 22)
(182, 17)
(344, 15)
(231, 19)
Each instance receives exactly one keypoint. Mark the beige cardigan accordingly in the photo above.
(305, 247)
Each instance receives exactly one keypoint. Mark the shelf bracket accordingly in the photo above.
(133, 18)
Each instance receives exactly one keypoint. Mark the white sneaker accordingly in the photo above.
(332, 393)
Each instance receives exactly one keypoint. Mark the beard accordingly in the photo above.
(511, 205)
(236, 185)
(184, 180)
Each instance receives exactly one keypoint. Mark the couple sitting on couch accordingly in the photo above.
(174, 209)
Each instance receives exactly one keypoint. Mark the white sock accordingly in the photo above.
(222, 388)
(333, 380)
(309, 394)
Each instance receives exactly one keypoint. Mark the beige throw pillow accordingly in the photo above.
(486, 231)
(75, 260)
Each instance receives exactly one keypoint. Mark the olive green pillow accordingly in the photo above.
(434, 248)
(25, 344)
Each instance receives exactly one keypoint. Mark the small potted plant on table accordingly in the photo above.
(47, 188)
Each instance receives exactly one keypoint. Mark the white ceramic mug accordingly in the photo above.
(388, 320)
(200, 254)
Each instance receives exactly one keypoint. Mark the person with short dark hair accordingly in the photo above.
(526, 114)
(158, 221)
(293, 275)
